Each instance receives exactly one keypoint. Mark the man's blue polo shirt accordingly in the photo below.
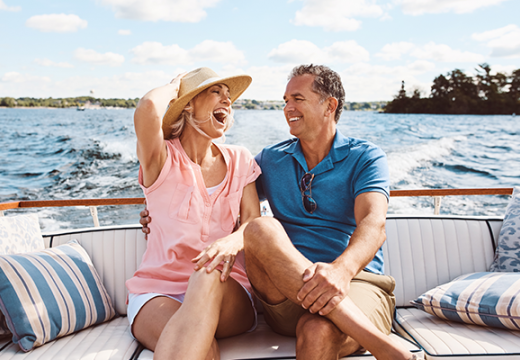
(351, 167)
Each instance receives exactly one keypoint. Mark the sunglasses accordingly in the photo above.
(308, 202)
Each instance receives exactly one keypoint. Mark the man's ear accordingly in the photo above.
(332, 105)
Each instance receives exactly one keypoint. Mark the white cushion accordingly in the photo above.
(423, 252)
(441, 338)
(507, 256)
(110, 340)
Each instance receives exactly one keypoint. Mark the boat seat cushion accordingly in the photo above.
(109, 340)
(507, 255)
(18, 234)
(484, 298)
(442, 339)
(51, 293)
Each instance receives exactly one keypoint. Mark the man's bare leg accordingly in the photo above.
(318, 338)
(275, 268)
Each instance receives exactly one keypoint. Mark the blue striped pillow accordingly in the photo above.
(483, 298)
(51, 293)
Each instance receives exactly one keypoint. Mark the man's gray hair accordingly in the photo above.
(327, 83)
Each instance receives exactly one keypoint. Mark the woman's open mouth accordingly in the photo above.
(220, 115)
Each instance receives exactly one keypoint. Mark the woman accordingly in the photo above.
(188, 290)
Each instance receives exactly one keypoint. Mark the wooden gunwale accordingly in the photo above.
(140, 201)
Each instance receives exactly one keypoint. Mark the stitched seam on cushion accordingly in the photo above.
(492, 237)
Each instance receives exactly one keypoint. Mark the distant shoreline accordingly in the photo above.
(90, 103)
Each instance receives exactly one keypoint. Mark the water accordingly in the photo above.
(63, 153)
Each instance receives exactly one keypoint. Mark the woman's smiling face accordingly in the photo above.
(212, 108)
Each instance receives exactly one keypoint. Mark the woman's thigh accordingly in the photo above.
(152, 318)
(237, 314)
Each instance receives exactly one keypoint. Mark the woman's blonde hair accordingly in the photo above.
(186, 117)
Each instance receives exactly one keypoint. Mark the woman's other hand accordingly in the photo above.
(144, 221)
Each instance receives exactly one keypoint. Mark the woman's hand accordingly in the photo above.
(226, 249)
(223, 250)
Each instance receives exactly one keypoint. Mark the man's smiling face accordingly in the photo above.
(303, 109)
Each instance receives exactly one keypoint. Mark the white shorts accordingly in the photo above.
(137, 301)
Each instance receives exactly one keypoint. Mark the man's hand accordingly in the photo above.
(326, 285)
(144, 221)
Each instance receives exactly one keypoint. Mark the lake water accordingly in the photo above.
(63, 153)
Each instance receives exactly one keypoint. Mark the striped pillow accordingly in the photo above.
(483, 298)
(18, 234)
(51, 293)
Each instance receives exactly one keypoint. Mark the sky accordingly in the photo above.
(123, 48)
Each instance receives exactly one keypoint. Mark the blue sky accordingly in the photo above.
(123, 48)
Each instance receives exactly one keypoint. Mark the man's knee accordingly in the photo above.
(260, 231)
(316, 329)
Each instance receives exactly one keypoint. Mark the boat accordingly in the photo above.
(421, 252)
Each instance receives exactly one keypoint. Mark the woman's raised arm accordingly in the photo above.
(151, 150)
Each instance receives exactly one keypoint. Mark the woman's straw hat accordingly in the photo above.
(194, 83)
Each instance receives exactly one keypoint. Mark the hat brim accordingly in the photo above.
(237, 85)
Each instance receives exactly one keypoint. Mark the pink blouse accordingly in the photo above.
(185, 219)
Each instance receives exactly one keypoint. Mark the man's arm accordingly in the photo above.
(326, 285)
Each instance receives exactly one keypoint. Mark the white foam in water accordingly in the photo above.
(405, 160)
(124, 148)
(52, 219)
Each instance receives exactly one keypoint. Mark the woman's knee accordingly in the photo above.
(202, 279)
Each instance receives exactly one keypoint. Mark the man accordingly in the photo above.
(317, 265)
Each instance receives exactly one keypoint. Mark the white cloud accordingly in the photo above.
(504, 42)
(365, 82)
(95, 58)
(504, 69)
(60, 23)
(336, 15)
(297, 51)
(444, 53)
(153, 52)
(16, 77)
(303, 51)
(429, 51)
(4, 7)
(190, 11)
(50, 63)
(268, 81)
(124, 32)
(125, 85)
(394, 51)
(415, 7)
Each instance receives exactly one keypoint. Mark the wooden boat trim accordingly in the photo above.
(452, 192)
(140, 200)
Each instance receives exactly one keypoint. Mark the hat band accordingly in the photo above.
(207, 81)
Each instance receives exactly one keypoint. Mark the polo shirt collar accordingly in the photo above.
(339, 151)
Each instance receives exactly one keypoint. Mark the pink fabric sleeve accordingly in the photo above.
(254, 171)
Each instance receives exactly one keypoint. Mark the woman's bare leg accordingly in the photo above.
(210, 309)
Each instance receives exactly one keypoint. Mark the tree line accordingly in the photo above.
(458, 93)
(67, 102)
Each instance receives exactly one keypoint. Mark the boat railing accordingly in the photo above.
(436, 194)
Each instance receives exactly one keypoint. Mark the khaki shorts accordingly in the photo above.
(372, 293)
